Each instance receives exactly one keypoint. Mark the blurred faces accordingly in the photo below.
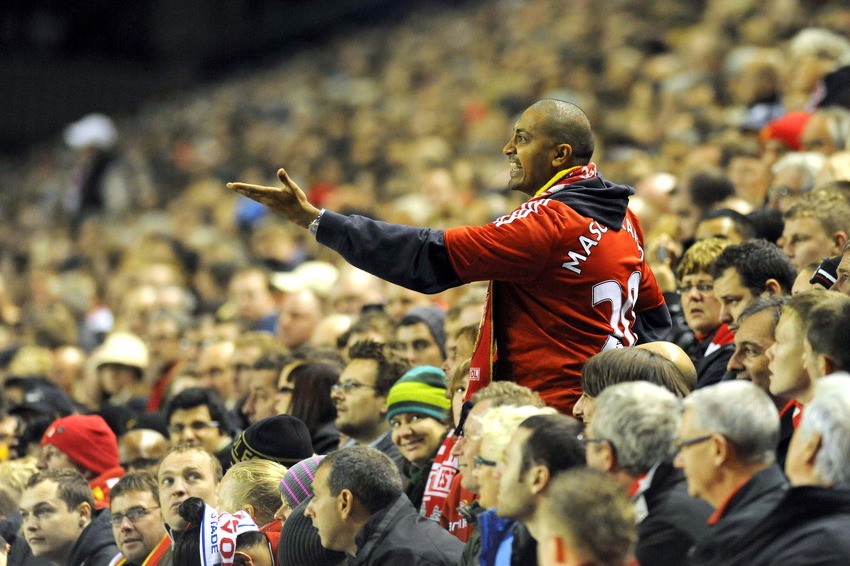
(752, 339)
(51, 458)
(789, 378)
(182, 475)
(164, 341)
(195, 426)
(418, 345)
(136, 536)
(10, 429)
(417, 437)
(699, 305)
(216, 371)
(733, 296)
(51, 529)
(360, 412)
(262, 398)
(804, 241)
(285, 389)
(250, 292)
(299, 315)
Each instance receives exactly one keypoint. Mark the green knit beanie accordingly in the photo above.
(422, 390)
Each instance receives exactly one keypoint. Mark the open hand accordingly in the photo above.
(289, 201)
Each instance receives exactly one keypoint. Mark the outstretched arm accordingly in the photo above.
(289, 201)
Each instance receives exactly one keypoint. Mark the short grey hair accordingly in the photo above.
(828, 414)
(808, 163)
(821, 43)
(743, 413)
(641, 420)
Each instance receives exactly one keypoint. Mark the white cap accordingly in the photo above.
(96, 130)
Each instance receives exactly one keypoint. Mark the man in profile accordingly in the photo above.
(359, 508)
(569, 277)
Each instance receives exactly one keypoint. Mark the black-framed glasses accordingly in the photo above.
(479, 461)
(286, 390)
(346, 387)
(701, 287)
(134, 514)
(196, 426)
(690, 442)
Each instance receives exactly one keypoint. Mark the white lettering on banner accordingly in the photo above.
(587, 245)
(523, 211)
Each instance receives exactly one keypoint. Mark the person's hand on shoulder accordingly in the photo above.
(289, 201)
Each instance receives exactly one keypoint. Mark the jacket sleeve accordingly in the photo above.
(415, 258)
(653, 325)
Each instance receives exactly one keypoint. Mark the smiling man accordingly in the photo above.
(568, 272)
(137, 522)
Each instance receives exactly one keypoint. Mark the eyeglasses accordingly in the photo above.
(584, 441)
(133, 514)
(196, 426)
(479, 461)
(701, 287)
(287, 390)
(690, 442)
(348, 386)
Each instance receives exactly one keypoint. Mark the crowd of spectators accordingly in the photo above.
(149, 318)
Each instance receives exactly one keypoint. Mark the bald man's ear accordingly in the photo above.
(563, 153)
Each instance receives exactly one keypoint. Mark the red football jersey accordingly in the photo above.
(565, 288)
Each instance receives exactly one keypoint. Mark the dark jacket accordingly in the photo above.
(675, 520)
(96, 545)
(399, 535)
(472, 548)
(524, 551)
(747, 507)
(809, 527)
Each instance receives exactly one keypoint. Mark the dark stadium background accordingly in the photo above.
(61, 59)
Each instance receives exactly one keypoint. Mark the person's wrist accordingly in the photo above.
(313, 226)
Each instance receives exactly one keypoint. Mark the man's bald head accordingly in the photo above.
(568, 124)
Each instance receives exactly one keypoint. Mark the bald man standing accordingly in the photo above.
(567, 267)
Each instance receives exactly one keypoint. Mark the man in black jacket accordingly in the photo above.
(359, 507)
(631, 437)
(726, 447)
(60, 522)
(810, 524)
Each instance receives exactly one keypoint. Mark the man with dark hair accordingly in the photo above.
(827, 342)
(542, 447)
(746, 271)
(360, 396)
(61, 524)
(359, 507)
(137, 522)
(197, 416)
(631, 437)
(568, 272)
(262, 387)
(724, 223)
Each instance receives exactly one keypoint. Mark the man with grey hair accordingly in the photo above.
(726, 447)
(810, 524)
(631, 437)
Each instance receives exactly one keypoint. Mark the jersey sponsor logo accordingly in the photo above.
(521, 212)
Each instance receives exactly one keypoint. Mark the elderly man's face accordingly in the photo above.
(752, 339)
(693, 458)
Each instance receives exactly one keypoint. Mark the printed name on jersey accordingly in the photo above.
(588, 243)
(521, 212)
